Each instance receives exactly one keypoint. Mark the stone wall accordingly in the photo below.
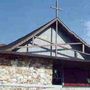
(31, 71)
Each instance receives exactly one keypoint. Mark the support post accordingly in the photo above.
(33, 40)
(75, 54)
(83, 48)
(27, 48)
(56, 38)
(51, 47)
(62, 67)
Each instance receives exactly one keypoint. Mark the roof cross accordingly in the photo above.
(57, 8)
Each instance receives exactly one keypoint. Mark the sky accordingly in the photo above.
(20, 17)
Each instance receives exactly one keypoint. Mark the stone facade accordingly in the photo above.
(30, 71)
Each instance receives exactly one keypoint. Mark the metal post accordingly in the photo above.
(57, 8)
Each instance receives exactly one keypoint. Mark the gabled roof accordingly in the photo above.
(26, 38)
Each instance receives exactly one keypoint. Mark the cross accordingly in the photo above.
(56, 8)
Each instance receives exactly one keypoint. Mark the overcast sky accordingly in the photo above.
(20, 17)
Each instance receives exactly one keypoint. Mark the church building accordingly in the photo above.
(50, 55)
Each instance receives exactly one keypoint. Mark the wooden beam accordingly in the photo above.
(76, 43)
(59, 45)
(34, 46)
(54, 45)
(43, 39)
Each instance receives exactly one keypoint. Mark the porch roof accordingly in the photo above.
(67, 62)
(10, 54)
